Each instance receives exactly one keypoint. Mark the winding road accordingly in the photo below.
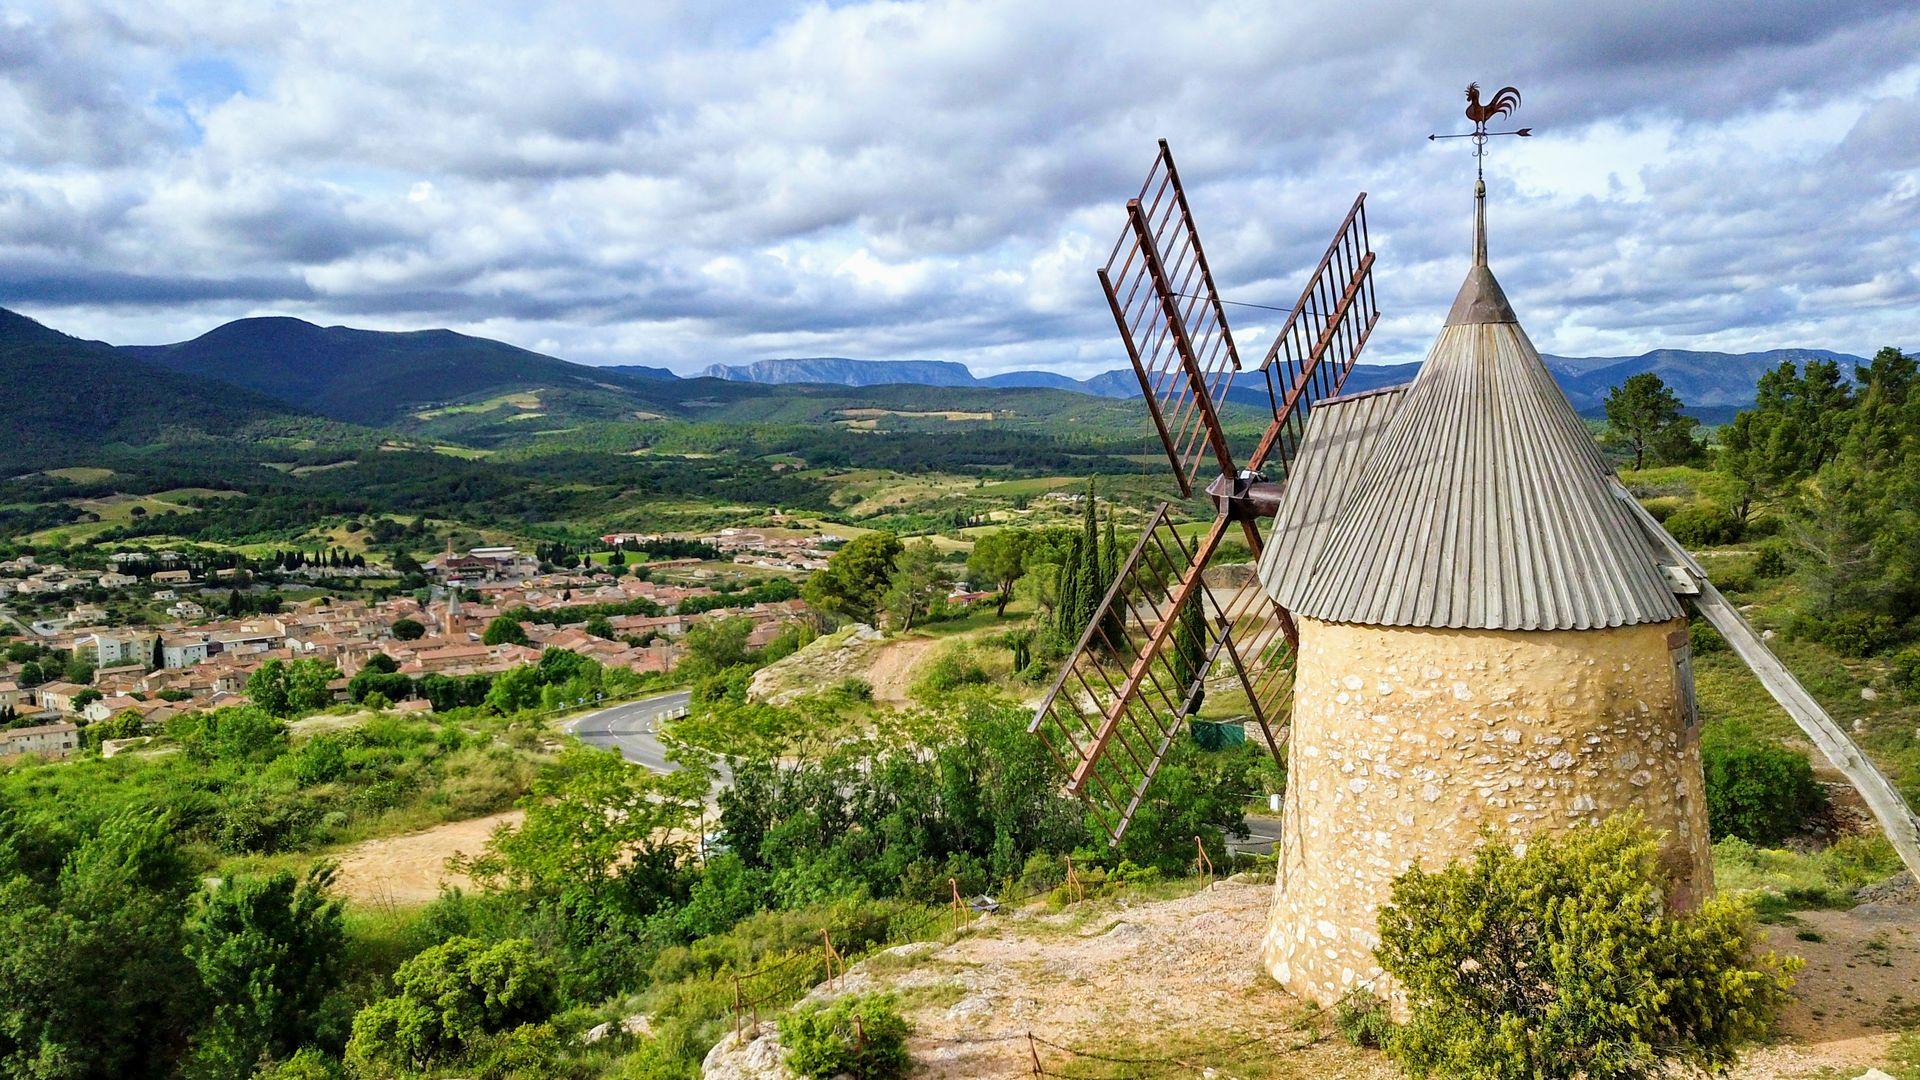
(633, 728)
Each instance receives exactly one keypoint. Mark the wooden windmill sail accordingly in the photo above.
(1128, 689)
(1359, 513)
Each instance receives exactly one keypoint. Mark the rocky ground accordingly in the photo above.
(1177, 980)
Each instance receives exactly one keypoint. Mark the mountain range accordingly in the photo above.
(1712, 384)
(442, 384)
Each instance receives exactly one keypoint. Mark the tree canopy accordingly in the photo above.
(856, 577)
(1643, 414)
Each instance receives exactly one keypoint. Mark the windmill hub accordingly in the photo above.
(1245, 496)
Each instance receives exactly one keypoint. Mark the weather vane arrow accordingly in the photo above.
(1503, 102)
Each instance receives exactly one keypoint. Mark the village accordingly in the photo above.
(194, 661)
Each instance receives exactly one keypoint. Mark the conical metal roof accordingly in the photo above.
(1484, 503)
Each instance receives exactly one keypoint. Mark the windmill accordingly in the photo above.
(1121, 699)
(1462, 619)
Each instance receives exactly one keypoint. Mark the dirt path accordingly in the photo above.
(409, 869)
(1860, 988)
(1180, 978)
(893, 667)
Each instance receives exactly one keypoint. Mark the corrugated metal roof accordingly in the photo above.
(1484, 504)
(1339, 440)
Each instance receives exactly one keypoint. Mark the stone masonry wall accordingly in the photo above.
(1407, 741)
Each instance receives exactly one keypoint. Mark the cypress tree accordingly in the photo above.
(1110, 558)
(1092, 588)
(1067, 623)
(1190, 650)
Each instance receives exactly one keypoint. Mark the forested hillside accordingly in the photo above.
(367, 376)
(65, 393)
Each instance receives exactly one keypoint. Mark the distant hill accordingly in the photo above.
(368, 376)
(65, 393)
(438, 384)
(839, 371)
(1712, 384)
(1706, 381)
(639, 371)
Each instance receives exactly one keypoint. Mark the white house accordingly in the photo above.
(180, 652)
(53, 740)
(58, 695)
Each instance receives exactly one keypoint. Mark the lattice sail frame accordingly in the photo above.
(1118, 703)
(1161, 291)
(1322, 338)
(1121, 700)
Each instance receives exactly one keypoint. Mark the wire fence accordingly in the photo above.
(1043, 1057)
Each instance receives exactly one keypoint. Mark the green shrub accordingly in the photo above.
(1043, 870)
(1702, 638)
(1565, 962)
(451, 998)
(1906, 672)
(308, 1064)
(955, 667)
(1850, 633)
(1662, 507)
(1704, 526)
(1734, 581)
(1757, 791)
(853, 688)
(1771, 562)
(1362, 1020)
(528, 1050)
(861, 1036)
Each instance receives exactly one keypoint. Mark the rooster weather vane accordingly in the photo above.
(1504, 101)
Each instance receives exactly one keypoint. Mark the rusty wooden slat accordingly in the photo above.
(1188, 582)
(1159, 515)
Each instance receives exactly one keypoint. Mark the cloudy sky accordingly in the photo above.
(685, 183)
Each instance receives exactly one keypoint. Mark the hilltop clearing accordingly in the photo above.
(890, 666)
(1179, 980)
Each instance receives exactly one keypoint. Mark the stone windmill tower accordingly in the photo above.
(1487, 639)
(1459, 616)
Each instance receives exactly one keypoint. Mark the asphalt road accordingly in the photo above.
(632, 729)
(1263, 832)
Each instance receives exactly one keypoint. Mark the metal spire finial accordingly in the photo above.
(1504, 101)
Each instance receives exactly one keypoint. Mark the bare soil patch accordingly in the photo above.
(411, 868)
(893, 667)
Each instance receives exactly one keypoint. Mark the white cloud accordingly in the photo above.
(699, 183)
